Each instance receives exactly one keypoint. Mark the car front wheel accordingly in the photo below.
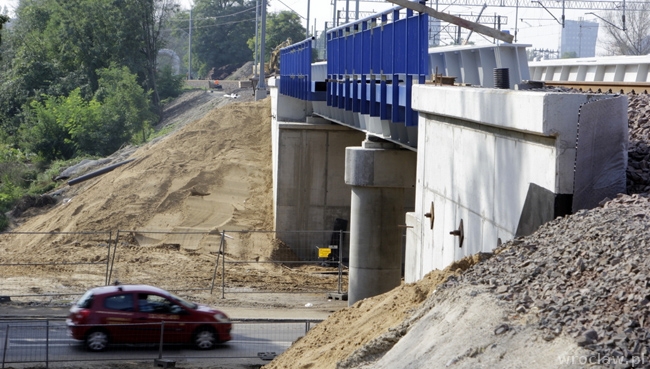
(97, 341)
(205, 338)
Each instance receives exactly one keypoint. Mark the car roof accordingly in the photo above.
(128, 288)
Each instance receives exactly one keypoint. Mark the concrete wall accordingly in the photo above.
(308, 174)
(503, 162)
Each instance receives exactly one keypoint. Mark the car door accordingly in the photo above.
(116, 314)
(154, 309)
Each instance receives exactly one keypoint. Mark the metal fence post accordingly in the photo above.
(340, 259)
(223, 264)
(110, 274)
(160, 348)
(47, 344)
(4, 351)
(216, 265)
(108, 256)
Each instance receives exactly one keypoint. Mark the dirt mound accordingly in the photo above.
(222, 72)
(226, 155)
(242, 73)
(31, 201)
(170, 205)
(351, 331)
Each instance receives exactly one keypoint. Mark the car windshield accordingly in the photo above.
(86, 300)
(185, 303)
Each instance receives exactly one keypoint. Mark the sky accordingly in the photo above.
(535, 26)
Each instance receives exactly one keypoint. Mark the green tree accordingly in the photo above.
(169, 85)
(220, 31)
(279, 27)
(65, 127)
(124, 112)
(3, 19)
(150, 16)
(60, 46)
(45, 133)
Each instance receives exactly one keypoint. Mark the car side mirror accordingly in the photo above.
(175, 309)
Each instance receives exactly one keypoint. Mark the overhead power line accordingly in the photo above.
(551, 4)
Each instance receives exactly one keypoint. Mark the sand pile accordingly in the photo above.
(370, 326)
(211, 175)
(215, 173)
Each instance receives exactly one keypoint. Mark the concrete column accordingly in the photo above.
(378, 173)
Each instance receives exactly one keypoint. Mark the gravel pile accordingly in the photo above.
(586, 275)
(638, 167)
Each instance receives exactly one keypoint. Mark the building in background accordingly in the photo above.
(578, 39)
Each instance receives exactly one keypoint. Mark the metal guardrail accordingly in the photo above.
(47, 341)
(295, 72)
(372, 64)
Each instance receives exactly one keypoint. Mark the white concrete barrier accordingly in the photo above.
(503, 162)
(599, 69)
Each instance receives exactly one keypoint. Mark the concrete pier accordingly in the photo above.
(309, 193)
(379, 173)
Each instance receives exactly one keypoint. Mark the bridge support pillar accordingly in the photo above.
(379, 172)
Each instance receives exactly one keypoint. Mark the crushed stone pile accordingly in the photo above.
(585, 275)
(638, 165)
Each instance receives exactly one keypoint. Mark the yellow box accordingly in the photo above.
(324, 252)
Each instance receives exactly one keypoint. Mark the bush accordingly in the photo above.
(168, 84)
(46, 131)
(60, 128)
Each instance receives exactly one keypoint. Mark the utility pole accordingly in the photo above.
(260, 92)
(257, 33)
(347, 11)
(189, 50)
(308, 7)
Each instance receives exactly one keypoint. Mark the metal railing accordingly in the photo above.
(48, 342)
(372, 64)
(28, 252)
(295, 72)
(52, 266)
(325, 252)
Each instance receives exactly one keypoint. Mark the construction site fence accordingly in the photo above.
(53, 266)
(29, 256)
(323, 257)
(48, 341)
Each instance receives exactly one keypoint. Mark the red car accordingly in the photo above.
(136, 313)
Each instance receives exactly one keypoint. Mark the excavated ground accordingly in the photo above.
(573, 293)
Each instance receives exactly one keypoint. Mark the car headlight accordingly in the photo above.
(221, 318)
